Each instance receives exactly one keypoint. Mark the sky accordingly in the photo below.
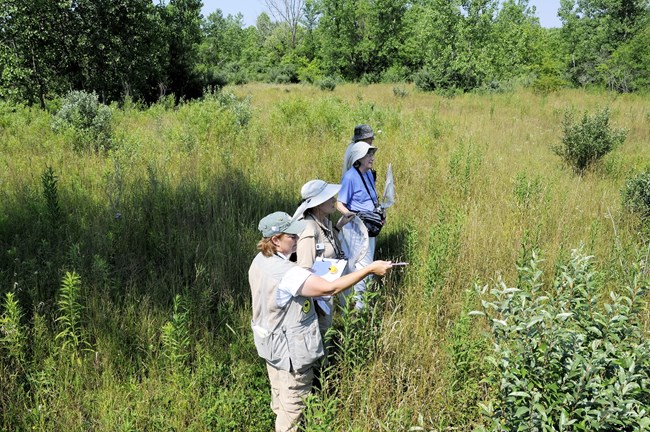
(546, 10)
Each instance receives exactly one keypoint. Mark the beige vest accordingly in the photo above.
(286, 337)
(315, 233)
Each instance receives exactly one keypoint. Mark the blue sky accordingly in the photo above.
(546, 9)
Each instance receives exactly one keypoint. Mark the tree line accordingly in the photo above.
(143, 50)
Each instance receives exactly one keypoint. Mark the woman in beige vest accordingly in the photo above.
(319, 239)
(285, 326)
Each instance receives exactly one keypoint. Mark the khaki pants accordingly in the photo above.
(288, 391)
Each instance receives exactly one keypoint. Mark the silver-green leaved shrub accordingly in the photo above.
(240, 107)
(565, 359)
(87, 119)
(586, 141)
(636, 194)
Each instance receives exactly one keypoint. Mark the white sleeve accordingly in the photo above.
(290, 284)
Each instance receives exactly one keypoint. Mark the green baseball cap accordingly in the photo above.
(280, 222)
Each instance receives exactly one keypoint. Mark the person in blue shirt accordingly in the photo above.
(358, 193)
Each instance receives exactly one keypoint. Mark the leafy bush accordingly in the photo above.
(310, 72)
(241, 108)
(283, 74)
(327, 84)
(216, 79)
(400, 91)
(564, 359)
(426, 80)
(89, 120)
(496, 87)
(445, 82)
(586, 142)
(395, 74)
(636, 194)
(546, 84)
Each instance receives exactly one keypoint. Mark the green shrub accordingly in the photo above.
(395, 74)
(283, 74)
(240, 107)
(496, 87)
(89, 120)
(586, 142)
(327, 84)
(564, 359)
(400, 92)
(545, 84)
(310, 72)
(426, 80)
(636, 194)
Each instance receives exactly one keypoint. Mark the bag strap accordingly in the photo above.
(376, 203)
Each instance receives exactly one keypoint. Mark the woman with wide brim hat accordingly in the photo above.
(319, 239)
(362, 132)
(284, 322)
(359, 194)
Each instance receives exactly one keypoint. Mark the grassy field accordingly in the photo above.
(123, 273)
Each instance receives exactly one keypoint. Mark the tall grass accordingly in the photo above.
(161, 231)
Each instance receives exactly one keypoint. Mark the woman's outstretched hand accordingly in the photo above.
(380, 267)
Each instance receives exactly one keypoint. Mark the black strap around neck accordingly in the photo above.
(376, 203)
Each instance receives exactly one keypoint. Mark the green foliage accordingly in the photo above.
(13, 337)
(395, 74)
(320, 413)
(119, 48)
(592, 31)
(51, 194)
(89, 120)
(565, 359)
(548, 83)
(70, 333)
(142, 50)
(628, 68)
(182, 32)
(240, 107)
(400, 92)
(361, 37)
(175, 335)
(528, 191)
(173, 209)
(444, 247)
(426, 79)
(636, 194)
(466, 350)
(464, 164)
(34, 44)
(355, 336)
(310, 71)
(327, 84)
(283, 74)
(585, 142)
